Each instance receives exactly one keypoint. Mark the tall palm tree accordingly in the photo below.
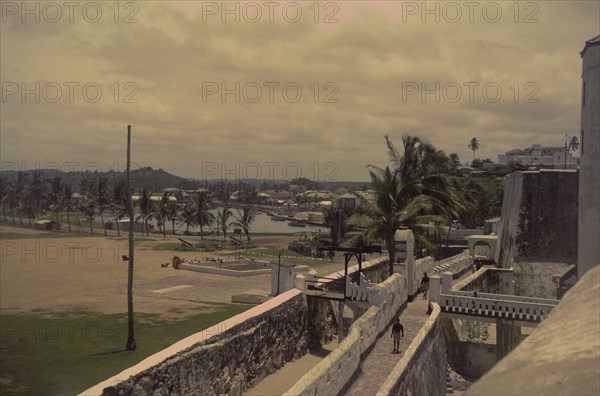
(473, 146)
(244, 219)
(573, 144)
(88, 207)
(425, 171)
(118, 202)
(20, 195)
(173, 214)
(162, 213)
(146, 208)
(389, 210)
(102, 199)
(187, 215)
(223, 219)
(337, 220)
(34, 196)
(67, 200)
(455, 159)
(8, 198)
(201, 206)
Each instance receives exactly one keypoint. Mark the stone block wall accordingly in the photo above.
(489, 280)
(538, 279)
(422, 369)
(247, 347)
(539, 218)
(469, 359)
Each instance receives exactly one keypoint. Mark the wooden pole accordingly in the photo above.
(131, 345)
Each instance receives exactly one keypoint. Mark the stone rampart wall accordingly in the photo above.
(539, 218)
(227, 360)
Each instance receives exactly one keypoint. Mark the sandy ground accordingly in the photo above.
(63, 273)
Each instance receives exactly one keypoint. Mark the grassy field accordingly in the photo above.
(46, 353)
(247, 251)
(16, 235)
(202, 246)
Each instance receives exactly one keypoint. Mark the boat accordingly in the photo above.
(277, 218)
(297, 224)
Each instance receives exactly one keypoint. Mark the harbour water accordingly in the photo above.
(262, 224)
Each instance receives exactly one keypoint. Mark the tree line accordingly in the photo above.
(30, 195)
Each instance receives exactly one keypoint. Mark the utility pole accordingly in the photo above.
(131, 345)
(566, 142)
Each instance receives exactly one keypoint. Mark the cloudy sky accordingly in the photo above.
(282, 89)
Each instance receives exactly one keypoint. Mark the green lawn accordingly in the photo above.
(208, 245)
(16, 235)
(248, 251)
(268, 253)
(65, 353)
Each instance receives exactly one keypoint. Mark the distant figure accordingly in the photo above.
(397, 335)
(425, 284)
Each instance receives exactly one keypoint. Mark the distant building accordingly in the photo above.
(46, 225)
(348, 201)
(588, 254)
(538, 155)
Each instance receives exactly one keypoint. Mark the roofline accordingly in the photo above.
(590, 43)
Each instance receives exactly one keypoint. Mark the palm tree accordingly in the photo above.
(389, 211)
(146, 208)
(173, 214)
(162, 212)
(573, 144)
(187, 215)
(337, 220)
(102, 199)
(424, 171)
(223, 217)
(473, 146)
(88, 207)
(455, 160)
(8, 198)
(56, 203)
(201, 206)
(34, 196)
(244, 219)
(67, 197)
(118, 202)
(19, 195)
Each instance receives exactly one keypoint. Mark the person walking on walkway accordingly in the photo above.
(425, 284)
(397, 335)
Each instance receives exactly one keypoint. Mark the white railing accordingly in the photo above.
(487, 304)
(495, 307)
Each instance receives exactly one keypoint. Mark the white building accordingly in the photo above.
(538, 155)
(588, 248)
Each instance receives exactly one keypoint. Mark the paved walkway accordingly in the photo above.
(283, 379)
(378, 365)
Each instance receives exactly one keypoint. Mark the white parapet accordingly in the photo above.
(435, 285)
